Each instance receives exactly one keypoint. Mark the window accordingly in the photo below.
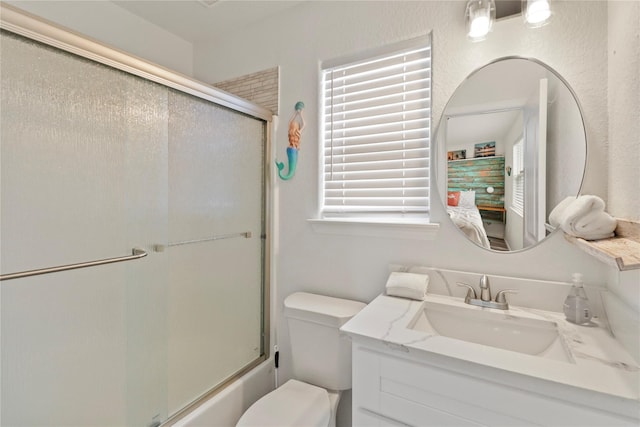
(376, 138)
(518, 178)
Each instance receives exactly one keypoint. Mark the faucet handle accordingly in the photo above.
(500, 295)
(471, 293)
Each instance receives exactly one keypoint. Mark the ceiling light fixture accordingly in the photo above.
(536, 12)
(479, 17)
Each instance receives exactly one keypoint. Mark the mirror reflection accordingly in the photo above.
(515, 146)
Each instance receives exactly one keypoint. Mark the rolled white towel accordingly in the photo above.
(407, 285)
(556, 214)
(585, 217)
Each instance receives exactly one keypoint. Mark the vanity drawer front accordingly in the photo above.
(381, 389)
(423, 415)
(421, 394)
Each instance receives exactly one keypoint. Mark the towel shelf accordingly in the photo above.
(136, 253)
(621, 251)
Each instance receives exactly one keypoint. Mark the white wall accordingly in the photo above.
(624, 104)
(624, 157)
(300, 38)
(476, 134)
(114, 26)
(564, 162)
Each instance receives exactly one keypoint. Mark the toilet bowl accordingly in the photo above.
(321, 361)
(293, 404)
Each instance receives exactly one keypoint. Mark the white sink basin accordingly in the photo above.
(490, 327)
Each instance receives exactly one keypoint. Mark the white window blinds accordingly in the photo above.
(376, 134)
(518, 177)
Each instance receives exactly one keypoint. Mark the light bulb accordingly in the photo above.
(479, 16)
(479, 27)
(536, 12)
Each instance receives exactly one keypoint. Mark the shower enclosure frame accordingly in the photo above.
(19, 22)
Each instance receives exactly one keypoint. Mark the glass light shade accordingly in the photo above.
(479, 18)
(536, 12)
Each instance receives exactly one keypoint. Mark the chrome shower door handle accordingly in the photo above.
(136, 253)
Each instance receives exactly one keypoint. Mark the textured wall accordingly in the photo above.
(624, 158)
(326, 30)
(624, 109)
(578, 55)
(299, 39)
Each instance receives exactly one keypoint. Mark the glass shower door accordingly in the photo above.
(83, 178)
(94, 163)
(215, 249)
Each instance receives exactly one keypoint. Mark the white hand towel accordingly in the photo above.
(407, 285)
(556, 214)
(586, 218)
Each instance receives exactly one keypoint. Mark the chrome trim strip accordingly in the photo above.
(19, 22)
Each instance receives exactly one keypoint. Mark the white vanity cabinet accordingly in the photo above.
(405, 374)
(391, 390)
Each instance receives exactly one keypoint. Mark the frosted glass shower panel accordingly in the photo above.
(63, 157)
(147, 221)
(83, 177)
(215, 287)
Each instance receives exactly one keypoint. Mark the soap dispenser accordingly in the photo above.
(576, 306)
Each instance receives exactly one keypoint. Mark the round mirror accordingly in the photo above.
(512, 145)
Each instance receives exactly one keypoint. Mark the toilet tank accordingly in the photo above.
(321, 355)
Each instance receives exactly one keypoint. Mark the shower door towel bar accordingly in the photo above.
(136, 253)
(246, 235)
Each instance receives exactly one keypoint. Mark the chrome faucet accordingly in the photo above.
(485, 290)
(485, 295)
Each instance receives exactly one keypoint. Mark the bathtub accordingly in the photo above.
(225, 408)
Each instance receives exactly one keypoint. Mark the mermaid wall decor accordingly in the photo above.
(296, 125)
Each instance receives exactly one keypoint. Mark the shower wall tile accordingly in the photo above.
(261, 87)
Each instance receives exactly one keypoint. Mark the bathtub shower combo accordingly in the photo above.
(134, 249)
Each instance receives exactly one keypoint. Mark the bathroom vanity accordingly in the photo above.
(441, 362)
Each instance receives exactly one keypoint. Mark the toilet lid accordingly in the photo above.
(295, 404)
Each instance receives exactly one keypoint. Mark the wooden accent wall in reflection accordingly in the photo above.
(477, 174)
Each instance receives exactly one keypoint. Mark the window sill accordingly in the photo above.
(376, 228)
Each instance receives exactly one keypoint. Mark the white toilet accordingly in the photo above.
(321, 365)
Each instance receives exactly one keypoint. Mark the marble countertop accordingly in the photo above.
(596, 368)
